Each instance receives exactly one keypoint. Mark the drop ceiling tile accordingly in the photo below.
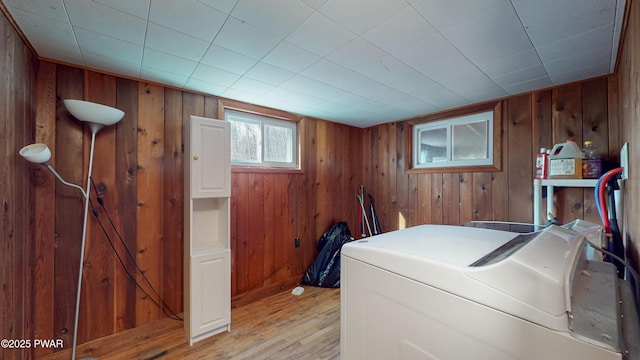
(592, 70)
(269, 74)
(252, 86)
(578, 60)
(550, 20)
(233, 93)
(399, 76)
(205, 87)
(432, 50)
(270, 17)
(105, 20)
(279, 103)
(293, 97)
(522, 60)
(214, 75)
(111, 65)
(245, 39)
(319, 35)
(226, 6)
(350, 99)
(175, 43)
(291, 57)
(518, 76)
(400, 31)
(188, 16)
(581, 43)
(360, 16)
(139, 8)
(528, 86)
(485, 94)
(50, 9)
(51, 39)
(314, 4)
(445, 13)
(163, 62)
(491, 35)
(340, 77)
(356, 54)
(163, 77)
(438, 60)
(113, 48)
(228, 60)
(313, 88)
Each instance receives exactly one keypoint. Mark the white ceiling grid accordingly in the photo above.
(357, 62)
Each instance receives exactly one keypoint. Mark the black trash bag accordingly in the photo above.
(325, 270)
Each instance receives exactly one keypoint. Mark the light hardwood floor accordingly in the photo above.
(280, 327)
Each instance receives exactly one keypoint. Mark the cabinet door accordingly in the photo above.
(209, 160)
(210, 294)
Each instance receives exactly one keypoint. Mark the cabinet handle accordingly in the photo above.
(195, 157)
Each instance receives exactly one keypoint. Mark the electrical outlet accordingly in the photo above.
(624, 161)
(296, 242)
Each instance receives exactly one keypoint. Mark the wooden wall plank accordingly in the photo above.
(595, 128)
(390, 173)
(542, 118)
(173, 222)
(520, 161)
(382, 174)
(466, 197)
(500, 179)
(424, 200)
(97, 304)
(150, 185)
(482, 197)
(567, 124)
(18, 71)
(240, 252)
(436, 199)
(44, 197)
(269, 240)
(126, 163)
(614, 124)
(69, 204)
(451, 198)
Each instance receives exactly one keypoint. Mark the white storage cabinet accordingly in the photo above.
(207, 253)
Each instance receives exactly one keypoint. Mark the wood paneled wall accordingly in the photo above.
(529, 122)
(628, 105)
(269, 210)
(138, 174)
(18, 69)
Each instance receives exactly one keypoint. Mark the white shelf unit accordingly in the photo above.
(207, 252)
(539, 219)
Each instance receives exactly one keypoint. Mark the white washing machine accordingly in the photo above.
(459, 292)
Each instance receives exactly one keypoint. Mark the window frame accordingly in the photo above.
(266, 113)
(448, 119)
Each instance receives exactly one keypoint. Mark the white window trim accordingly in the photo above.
(448, 125)
(262, 120)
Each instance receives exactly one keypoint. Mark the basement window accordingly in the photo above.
(464, 141)
(262, 141)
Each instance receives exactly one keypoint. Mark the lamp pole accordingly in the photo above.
(85, 193)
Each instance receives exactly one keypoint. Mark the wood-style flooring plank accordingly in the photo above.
(280, 327)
